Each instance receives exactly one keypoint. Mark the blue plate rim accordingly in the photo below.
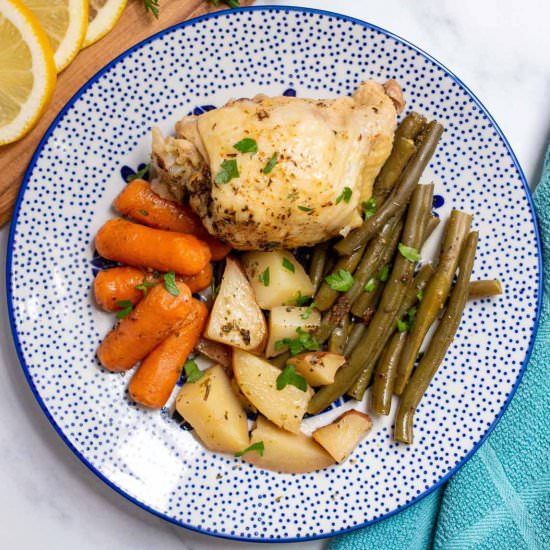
(13, 225)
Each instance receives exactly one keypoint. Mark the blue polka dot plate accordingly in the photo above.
(103, 134)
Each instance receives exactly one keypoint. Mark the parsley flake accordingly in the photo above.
(270, 164)
(289, 377)
(345, 196)
(410, 253)
(170, 283)
(143, 212)
(369, 208)
(246, 145)
(303, 342)
(301, 300)
(402, 326)
(228, 171)
(263, 277)
(126, 308)
(152, 6)
(138, 175)
(192, 371)
(292, 195)
(258, 447)
(371, 285)
(307, 313)
(230, 3)
(305, 208)
(341, 281)
(419, 295)
(145, 285)
(384, 273)
(287, 264)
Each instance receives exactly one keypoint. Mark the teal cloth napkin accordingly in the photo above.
(501, 498)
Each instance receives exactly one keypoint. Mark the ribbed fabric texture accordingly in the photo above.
(501, 498)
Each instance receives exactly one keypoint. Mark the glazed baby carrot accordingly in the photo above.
(152, 320)
(139, 202)
(158, 373)
(131, 284)
(137, 245)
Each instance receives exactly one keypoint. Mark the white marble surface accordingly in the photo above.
(48, 499)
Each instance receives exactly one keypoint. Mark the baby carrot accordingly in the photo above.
(137, 245)
(152, 320)
(158, 373)
(139, 202)
(131, 284)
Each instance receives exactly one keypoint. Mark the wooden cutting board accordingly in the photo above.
(134, 25)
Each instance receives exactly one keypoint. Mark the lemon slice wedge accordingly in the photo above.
(27, 70)
(102, 16)
(65, 23)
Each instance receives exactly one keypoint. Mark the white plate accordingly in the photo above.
(76, 173)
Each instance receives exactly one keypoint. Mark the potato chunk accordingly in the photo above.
(258, 381)
(318, 367)
(284, 322)
(341, 437)
(286, 452)
(236, 318)
(276, 277)
(214, 411)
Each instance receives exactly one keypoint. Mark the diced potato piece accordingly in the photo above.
(214, 411)
(286, 452)
(287, 277)
(318, 367)
(236, 318)
(342, 436)
(283, 322)
(258, 381)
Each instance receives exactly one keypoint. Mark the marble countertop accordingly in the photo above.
(49, 499)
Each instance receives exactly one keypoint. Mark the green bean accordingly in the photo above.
(433, 222)
(410, 127)
(403, 150)
(317, 264)
(366, 269)
(280, 360)
(398, 197)
(354, 337)
(384, 375)
(369, 348)
(435, 295)
(442, 339)
(416, 286)
(485, 289)
(326, 296)
(339, 336)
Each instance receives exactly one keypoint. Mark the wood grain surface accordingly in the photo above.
(134, 25)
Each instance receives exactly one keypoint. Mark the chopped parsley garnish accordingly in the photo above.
(303, 342)
(143, 212)
(410, 253)
(258, 447)
(246, 145)
(139, 174)
(345, 195)
(302, 300)
(341, 281)
(419, 295)
(292, 195)
(402, 326)
(307, 313)
(289, 377)
(263, 277)
(384, 273)
(371, 285)
(287, 264)
(369, 208)
(170, 283)
(406, 325)
(126, 308)
(305, 208)
(152, 6)
(230, 3)
(228, 171)
(145, 285)
(192, 371)
(270, 164)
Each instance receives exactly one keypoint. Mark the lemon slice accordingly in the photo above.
(27, 70)
(102, 16)
(65, 23)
